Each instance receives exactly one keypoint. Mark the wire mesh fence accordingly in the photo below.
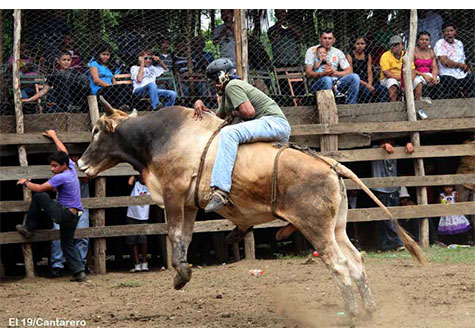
(67, 55)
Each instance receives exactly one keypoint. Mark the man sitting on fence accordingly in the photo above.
(65, 211)
(455, 73)
(391, 67)
(346, 80)
(144, 76)
(69, 88)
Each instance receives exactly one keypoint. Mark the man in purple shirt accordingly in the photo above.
(65, 211)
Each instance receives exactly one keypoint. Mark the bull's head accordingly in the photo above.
(103, 152)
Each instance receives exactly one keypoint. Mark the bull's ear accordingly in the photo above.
(107, 107)
(133, 114)
(111, 124)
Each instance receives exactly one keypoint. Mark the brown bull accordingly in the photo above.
(166, 148)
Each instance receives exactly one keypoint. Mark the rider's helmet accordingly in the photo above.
(219, 70)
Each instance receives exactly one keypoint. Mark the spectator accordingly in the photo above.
(130, 42)
(144, 77)
(68, 44)
(466, 192)
(166, 55)
(454, 72)
(82, 244)
(68, 88)
(224, 36)
(452, 229)
(389, 196)
(322, 64)
(285, 39)
(66, 211)
(138, 214)
(347, 80)
(27, 67)
(102, 78)
(362, 64)
(391, 67)
(427, 72)
(430, 21)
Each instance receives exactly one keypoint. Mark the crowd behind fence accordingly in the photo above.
(60, 47)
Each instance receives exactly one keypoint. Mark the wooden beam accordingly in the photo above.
(219, 225)
(37, 138)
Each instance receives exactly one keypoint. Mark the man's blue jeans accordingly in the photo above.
(82, 245)
(350, 84)
(230, 137)
(388, 237)
(379, 95)
(155, 93)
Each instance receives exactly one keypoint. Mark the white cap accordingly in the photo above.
(403, 192)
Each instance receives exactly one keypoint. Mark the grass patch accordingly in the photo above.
(434, 255)
(128, 284)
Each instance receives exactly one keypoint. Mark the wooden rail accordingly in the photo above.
(354, 215)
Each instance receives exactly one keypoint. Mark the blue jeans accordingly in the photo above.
(350, 84)
(82, 245)
(379, 95)
(155, 93)
(388, 237)
(230, 137)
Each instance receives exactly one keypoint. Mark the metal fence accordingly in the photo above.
(60, 48)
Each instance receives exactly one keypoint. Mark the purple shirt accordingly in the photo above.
(67, 185)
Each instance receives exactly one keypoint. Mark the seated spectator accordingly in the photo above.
(144, 76)
(455, 74)
(284, 38)
(68, 44)
(101, 80)
(130, 41)
(138, 214)
(362, 64)
(166, 55)
(427, 72)
(27, 67)
(224, 36)
(322, 64)
(452, 229)
(391, 67)
(347, 80)
(68, 88)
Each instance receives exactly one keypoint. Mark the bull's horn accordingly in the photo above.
(108, 108)
(133, 114)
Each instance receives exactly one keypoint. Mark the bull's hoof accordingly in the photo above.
(235, 236)
(182, 277)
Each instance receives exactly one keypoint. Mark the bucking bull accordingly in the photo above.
(166, 148)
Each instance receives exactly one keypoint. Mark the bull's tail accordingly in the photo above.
(414, 249)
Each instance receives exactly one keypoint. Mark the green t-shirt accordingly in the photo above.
(238, 92)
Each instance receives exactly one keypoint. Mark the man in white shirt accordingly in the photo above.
(454, 72)
(336, 67)
(144, 76)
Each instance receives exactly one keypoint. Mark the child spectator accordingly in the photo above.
(138, 214)
(144, 76)
(322, 64)
(427, 72)
(102, 80)
(452, 228)
(68, 87)
(362, 64)
(68, 44)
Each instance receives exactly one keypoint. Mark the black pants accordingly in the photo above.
(67, 222)
(388, 237)
(451, 86)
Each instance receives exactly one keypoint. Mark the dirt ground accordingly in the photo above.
(290, 293)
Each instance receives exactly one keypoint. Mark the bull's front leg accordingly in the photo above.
(180, 229)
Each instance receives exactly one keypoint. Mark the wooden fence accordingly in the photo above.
(309, 133)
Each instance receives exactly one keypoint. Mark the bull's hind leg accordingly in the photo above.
(355, 260)
(180, 229)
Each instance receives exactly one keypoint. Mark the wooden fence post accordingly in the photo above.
(98, 217)
(411, 113)
(20, 128)
(327, 114)
(240, 36)
(249, 245)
